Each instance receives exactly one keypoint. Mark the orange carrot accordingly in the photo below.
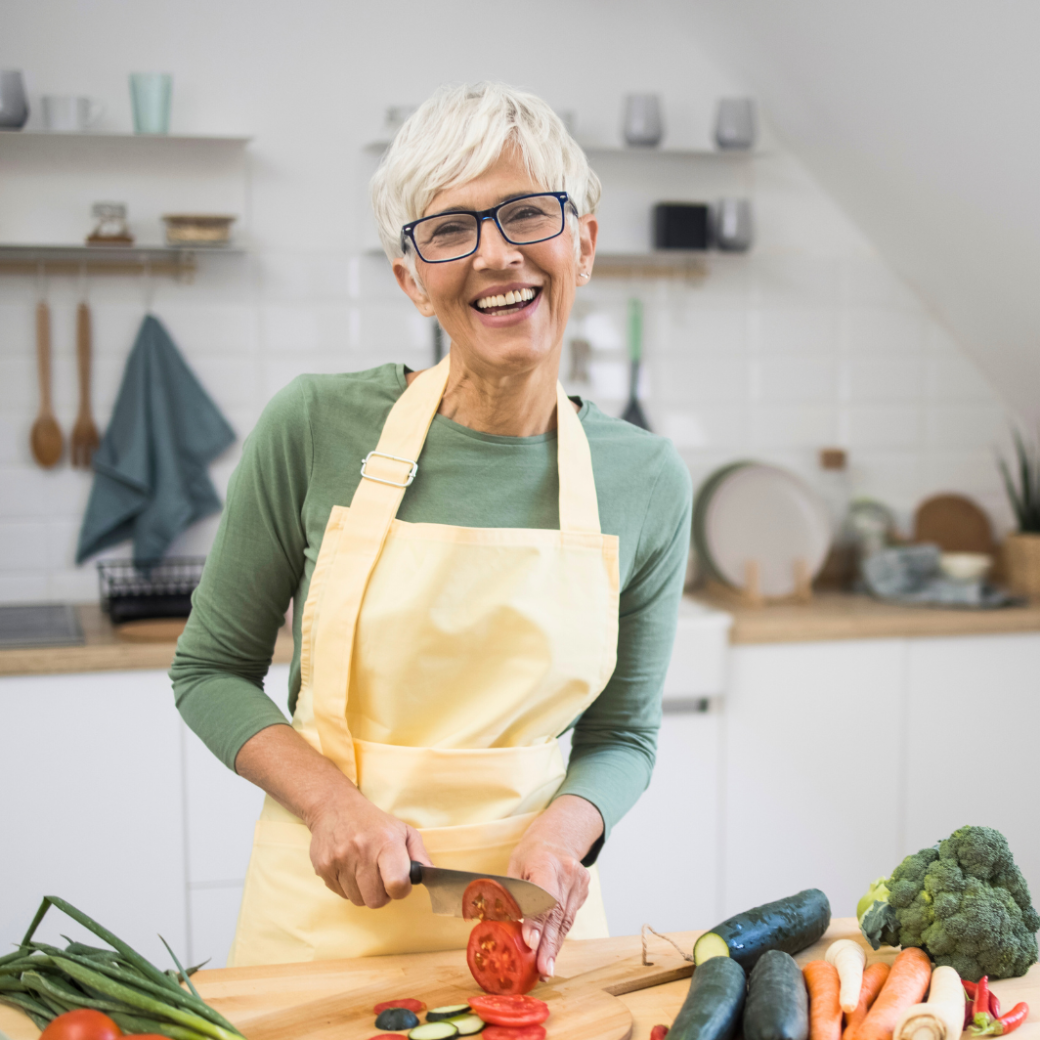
(873, 979)
(906, 985)
(824, 1006)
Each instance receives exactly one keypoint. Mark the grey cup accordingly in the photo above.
(735, 123)
(734, 231)
(14, 109)
(644, 124)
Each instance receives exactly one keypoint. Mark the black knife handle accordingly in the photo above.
(415, 873)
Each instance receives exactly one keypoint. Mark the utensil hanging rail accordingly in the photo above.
(179, 263)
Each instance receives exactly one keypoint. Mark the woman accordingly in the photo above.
(509, 566)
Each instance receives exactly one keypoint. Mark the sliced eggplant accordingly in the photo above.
(395, 1020)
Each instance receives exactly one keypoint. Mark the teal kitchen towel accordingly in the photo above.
(150, 473)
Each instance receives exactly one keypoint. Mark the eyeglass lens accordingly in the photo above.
(522, 221)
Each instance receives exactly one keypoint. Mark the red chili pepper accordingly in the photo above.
(981, 1017)
(994, 1005)
(1008, 1024)
(969, 1011)
(969, 987)
(658, 1032)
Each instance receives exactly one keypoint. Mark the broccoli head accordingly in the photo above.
(964, 902)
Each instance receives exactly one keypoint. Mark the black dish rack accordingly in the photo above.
(151, 589)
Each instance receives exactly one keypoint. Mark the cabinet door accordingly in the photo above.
(91, 768)
(811, 795)
(971, 735)
(660, 865)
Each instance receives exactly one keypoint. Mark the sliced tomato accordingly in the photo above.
(487, 900)
(509, 1009)
(513, 1033)
(658, 1032)
(410, 1003)
(499, 959)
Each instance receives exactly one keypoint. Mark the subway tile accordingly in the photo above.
(703, 330)
(792, 426)
(212, 328)
(869, 281)
(695, 377)
(307, 276)
(74, 584)
(393, 326)
(883, 379)
(23, 546)
(23, 586)
(952, 376)
(296, 327)
(890, 476)
(62, 537)
(877, 331)
(970, 472)
(231, 382)
(799, 330)
(965, 426)
(705, 428)
(884, 426)
(796, 379)
(792, 280)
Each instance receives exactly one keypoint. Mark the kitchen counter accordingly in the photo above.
(262, 1001)
(841, 615)
(104, 651)
(829, 616)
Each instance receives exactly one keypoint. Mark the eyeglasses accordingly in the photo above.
(456, 234)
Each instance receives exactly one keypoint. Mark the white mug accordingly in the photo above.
(67, 114)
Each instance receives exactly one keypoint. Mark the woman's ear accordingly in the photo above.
(415, 292)
(588, 231)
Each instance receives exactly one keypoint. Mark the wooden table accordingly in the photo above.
(584, 969)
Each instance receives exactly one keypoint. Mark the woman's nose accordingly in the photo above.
(494, 252)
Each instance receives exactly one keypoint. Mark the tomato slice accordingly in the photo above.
(513, 1033)
(487, 900)
(658, 1032)
(408, 1002)
(509, 1009)
(500, 960)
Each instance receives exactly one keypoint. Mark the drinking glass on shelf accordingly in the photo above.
(150, 96)
(644, 125)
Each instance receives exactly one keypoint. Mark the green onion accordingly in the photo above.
(137, 1024)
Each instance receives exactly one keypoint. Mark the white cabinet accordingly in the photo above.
(92, 811)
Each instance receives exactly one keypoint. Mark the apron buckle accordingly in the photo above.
(394, 458)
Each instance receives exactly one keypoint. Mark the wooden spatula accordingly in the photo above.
(45, 438)
(85, 438)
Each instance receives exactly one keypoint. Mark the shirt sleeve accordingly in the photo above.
(251, 574)
(614, 742)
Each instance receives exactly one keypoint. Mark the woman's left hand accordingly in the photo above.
(550, 855)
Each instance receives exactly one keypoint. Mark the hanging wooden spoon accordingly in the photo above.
(84, 441)
(45, 438)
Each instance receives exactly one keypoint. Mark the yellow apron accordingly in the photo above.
(465, 652)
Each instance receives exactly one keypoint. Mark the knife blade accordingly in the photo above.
(446, 888)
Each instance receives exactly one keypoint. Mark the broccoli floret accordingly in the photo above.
(964, 902)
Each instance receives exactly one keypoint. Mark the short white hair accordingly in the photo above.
(457, 135)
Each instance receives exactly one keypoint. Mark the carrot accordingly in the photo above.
(873, 979)
(824, 1008)
(907, 983)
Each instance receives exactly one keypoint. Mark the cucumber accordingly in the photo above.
(789, 925)
(467, 1025)
(711, 1010)
(777, 1002)
(433, 1031)
(394, 1020)
(448, 1011)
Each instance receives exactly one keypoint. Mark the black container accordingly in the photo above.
(154, 589)
(682, 225)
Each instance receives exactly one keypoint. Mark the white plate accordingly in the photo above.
(766, 514)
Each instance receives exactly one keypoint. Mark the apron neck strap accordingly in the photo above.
(408, 423)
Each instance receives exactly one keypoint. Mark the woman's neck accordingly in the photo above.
(507, 405)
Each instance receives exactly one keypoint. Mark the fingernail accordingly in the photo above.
(552, 967)
(536, 938)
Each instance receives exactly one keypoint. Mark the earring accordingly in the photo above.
(584, 274)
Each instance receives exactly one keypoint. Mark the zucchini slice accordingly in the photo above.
(441, 1030)
(467, 1025)
(789, 925)
(777, 1002)
(438, 1014)
(712, 1007)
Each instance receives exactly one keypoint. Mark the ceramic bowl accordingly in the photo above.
(965, 566)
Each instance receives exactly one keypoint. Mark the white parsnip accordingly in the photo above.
(850, 959)
(941, 1017)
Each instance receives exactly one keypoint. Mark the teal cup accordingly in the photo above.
(150, 96)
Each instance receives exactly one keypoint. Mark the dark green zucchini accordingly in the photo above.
(712, 1007)
(777, 1002)
(789, 925)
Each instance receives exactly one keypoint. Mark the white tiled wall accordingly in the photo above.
(807, 342)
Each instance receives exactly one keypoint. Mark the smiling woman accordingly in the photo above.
(509, 567)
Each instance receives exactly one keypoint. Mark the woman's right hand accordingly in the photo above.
(362, 853)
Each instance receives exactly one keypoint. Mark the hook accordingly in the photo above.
(149, 286)
(41, 282)
(84, 283)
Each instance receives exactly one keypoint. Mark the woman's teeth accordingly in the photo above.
(509, 299)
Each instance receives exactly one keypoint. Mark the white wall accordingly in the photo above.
(809, 342)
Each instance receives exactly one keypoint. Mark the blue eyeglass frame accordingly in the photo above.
(408, 230)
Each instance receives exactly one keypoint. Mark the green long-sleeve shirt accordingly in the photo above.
(304, 457)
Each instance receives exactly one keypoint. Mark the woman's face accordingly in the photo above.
(517, 338)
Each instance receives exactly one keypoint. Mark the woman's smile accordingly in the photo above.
(507, 305)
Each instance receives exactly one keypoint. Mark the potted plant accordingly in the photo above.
(1022, 548)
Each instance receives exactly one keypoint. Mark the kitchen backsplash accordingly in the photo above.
(810, 341)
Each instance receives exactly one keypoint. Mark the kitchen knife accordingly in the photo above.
(446, 888)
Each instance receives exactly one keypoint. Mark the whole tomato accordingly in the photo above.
(85, 1024)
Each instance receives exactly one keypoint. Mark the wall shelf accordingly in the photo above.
(93, 135)
(731, 154)
(180, 262)
(693, 266)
